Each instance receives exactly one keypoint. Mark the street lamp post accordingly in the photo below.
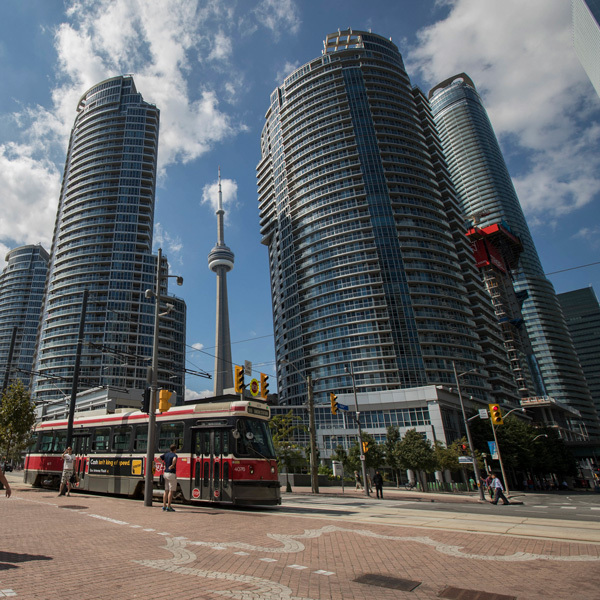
(363, 458)
(314, 468)
(471, 447)
(149, 480)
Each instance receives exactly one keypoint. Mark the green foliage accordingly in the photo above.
(415, 452)
(521, 451)
(289, 453)
(17, 418)
(374, 458)
(390, 448)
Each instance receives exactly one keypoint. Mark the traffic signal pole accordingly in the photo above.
(500, 458)
(363, 458)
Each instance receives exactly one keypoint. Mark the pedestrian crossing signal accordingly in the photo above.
(334, 404)
(239, 379)
(495, 414)
(146, 400)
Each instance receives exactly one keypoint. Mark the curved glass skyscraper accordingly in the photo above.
(487, 194)
(21, 294)
(364, 266)
(103, 243)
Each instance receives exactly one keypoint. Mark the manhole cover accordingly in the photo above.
(454, 593)
(74, 507)
(393, 583)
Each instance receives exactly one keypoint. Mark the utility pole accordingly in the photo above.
(314, 467)
(471, 447)
(76, 369)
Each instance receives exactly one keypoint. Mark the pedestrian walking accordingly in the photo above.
(498, 491)
(68, 467)
(487, 482)
(169, 460)
(358, 481)
(4, 482)
(378, 482)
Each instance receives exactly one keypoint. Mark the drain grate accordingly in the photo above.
(454, 593)
(393, 583)
(74, 507)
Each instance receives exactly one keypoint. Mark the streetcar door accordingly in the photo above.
(208, 466)
(81, 449)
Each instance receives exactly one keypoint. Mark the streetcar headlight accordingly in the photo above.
(272, 469)
(251, 470)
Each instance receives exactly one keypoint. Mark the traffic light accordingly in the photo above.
(163, 400)
(239, 379)
(495, 414)
(146, 400)
(264, 386)
(365, 447)
(334, 404)
(464, 449)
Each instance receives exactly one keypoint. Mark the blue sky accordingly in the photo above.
(210, 66)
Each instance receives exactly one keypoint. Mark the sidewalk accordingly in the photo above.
(94, 547)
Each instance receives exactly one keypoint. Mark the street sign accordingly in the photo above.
(338, 469)
(465, 459)
(483, 413)
(248, 368)
(362, 457)
(342, 406)
(254, 387)
(493, 451)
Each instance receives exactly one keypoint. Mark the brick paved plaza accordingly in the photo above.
(95, 547)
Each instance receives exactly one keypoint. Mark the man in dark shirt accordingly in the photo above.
(169, 459)
(378, 483)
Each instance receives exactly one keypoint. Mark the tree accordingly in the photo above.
(374, 457)
(288, 451)
(391, 452)
(415, 452)
(17, 418)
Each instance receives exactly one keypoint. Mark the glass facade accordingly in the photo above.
(586, 37)
(21, 293)
(582, 312)
(354, 209)
(487, 195)
(103, 242)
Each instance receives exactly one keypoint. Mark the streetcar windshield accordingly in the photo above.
(254, 439)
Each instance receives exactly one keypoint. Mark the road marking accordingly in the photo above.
(569, 507)
(268, 559)
(242, 553)
(321, 572)
(594, 508)
(298, 567)
(7, 593)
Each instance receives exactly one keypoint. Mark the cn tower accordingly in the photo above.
(220, 260)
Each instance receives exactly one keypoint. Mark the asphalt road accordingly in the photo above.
(576, 507)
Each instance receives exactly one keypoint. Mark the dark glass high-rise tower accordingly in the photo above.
(359, 217)
(486, 193)
(103, 243)
(21, 294)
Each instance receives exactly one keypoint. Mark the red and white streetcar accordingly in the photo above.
(225, 452)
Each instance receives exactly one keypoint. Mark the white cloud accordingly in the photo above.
(197, 346)
(210, 194)
(171, 244)
(590, 235)
(192, 395)
(164, 45)
(280, 16)
(520, 57)
(286, 70)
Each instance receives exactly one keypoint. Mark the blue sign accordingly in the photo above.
(493, 451)
(342, 406)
